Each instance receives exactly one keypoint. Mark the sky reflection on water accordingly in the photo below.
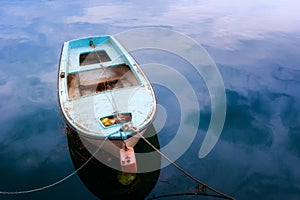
(254, 43)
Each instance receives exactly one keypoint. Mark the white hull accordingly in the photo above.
(103, 94)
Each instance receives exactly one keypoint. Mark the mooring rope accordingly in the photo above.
(204, 185)
(57, 182)
(113, 103)
(186, 194)
(111, 100)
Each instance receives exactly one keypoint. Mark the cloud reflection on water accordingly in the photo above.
(220, 24)
(255, 44)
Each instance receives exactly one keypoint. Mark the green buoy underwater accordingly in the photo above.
(126, 178)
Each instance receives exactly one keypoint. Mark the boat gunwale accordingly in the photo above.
(134, 67)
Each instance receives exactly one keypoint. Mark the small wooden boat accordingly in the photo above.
(103, 93)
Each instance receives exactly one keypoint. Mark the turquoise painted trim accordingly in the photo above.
(86, 41)
(108, 66)
(120, 135)
(97, 66)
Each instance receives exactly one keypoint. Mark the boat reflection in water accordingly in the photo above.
(108, 183)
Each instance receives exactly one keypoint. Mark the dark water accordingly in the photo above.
(255, 45)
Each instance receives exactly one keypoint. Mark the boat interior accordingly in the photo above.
(100, 80)
(93, 58)
(118, 118)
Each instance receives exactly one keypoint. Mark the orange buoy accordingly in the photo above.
(128, 160)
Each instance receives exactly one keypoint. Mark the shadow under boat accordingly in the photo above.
(108, 183)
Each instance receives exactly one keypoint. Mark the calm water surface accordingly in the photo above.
(255, 45)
